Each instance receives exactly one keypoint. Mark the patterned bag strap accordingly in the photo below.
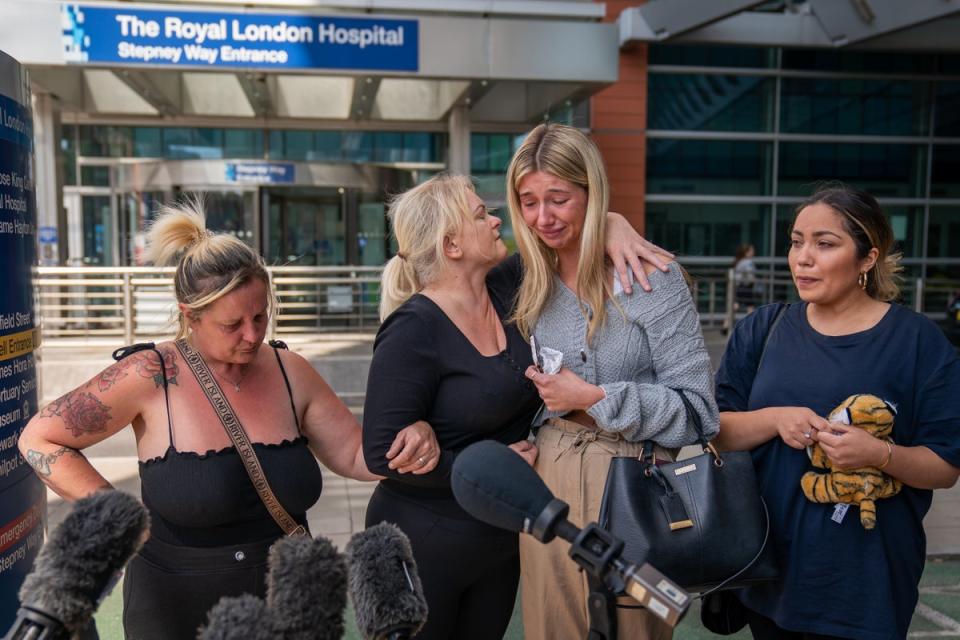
(239, 438)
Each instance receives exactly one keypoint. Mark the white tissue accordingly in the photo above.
(552, 360)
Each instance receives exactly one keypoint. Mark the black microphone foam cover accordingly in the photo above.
(74, 567)
(385, 588)
(497, 486)
(307, 588)
(239, 618)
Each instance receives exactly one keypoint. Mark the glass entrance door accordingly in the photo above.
(306, 226)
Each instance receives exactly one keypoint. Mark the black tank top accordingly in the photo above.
(205, 500)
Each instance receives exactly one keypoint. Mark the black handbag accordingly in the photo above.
(700, 521)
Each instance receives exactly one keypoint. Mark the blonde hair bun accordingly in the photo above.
(176, 229)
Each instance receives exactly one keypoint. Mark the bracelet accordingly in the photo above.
(889, 454)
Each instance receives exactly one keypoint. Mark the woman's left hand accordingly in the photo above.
(851, 447)
(565, 390)
(627, 249)
(415, 450)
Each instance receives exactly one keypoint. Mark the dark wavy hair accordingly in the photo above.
(864, 220)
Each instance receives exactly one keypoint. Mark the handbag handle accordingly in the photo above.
(694, 418)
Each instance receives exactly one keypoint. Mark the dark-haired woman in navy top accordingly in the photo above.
(839, 580)
(209, 531)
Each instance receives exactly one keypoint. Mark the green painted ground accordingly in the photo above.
(939, 590)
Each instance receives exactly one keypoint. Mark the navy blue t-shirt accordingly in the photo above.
(838, 578)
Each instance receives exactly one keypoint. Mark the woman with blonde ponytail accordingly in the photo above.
(209, 528)
(847, 338)
(626, 360)
(446, 354)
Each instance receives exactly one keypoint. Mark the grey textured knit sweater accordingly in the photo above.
(639, 360)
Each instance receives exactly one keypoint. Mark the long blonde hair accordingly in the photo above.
(568, 154)
(421, 218)
(209, 265)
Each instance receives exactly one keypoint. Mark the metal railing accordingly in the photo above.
(135, 303)
(132, 303)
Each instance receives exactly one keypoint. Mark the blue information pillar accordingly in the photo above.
(22, 495)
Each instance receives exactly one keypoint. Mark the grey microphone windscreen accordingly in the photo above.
(307, 588)
(84, 552)
(239, 618)
(385, 588)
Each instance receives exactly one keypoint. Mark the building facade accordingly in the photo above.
(714, 123)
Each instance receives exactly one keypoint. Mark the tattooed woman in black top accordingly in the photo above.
(209, 530)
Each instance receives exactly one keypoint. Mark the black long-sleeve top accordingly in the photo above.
(424, 368)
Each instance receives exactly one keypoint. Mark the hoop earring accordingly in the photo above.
(862, 280)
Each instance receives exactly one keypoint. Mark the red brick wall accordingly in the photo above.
(618, 122)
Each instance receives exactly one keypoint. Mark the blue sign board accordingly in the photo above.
(158, 37)
(261, 172)
(22, 496)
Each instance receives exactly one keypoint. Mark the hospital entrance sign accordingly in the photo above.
(178, 38)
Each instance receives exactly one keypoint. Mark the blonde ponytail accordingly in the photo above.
(399, 282)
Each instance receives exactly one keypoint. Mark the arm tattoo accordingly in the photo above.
(147, 365)
(41, 462)
(111, 375)
(82, 413)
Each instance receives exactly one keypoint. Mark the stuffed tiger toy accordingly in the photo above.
(861, 486)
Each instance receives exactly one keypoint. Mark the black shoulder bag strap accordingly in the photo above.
(239, 438)
(773, 325)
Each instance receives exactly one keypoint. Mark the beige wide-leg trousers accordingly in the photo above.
(573, 461)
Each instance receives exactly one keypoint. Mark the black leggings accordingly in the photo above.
(168, 589)
(469, 578)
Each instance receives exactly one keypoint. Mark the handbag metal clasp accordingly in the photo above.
(712, 450)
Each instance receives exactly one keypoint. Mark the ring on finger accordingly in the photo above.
(422, 460)
(807, 435)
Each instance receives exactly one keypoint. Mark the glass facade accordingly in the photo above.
(708, 166)
(738, 136)
(708, 229)
(181, 143)
(298, 225)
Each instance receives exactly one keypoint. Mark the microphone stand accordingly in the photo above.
(598, 553)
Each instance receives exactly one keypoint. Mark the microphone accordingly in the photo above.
(239, 618)
(385, 588)
(78, 566)
(306, 596)
(496, 486)
(307, 588)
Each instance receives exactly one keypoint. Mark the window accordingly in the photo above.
(706, 56)
(106, 142)
(709, 102)
(945, 178)
(946, 110)
(242, 143)
(854, 106)
(885, 170)
(183, 143)
(147, 142)
(716, 167)
(708, 229)
(68, 154)
(858, 61)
